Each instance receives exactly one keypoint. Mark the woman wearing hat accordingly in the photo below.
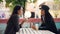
(47, 20)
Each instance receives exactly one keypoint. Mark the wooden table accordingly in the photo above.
(32, 31)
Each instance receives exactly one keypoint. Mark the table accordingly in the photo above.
(32, 31)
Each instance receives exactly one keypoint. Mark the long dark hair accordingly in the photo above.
(49, 22)
(47, 14)
(48, 17)
(15, 10)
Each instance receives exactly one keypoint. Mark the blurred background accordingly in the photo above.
(31, 7)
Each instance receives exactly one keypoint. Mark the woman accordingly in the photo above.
(13, 22)
(47, 20)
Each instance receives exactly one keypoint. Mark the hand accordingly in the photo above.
(33, 27)
(23, 21)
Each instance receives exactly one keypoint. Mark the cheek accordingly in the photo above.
(18, 12)
(21, 12)
(42, 12)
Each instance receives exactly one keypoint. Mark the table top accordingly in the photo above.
(32, 31)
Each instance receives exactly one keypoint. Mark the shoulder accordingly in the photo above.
(15, 15)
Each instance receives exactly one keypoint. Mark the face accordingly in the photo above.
(42, 12)
(20, 12)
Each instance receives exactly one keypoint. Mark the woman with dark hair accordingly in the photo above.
(13, 23)
(47, 20)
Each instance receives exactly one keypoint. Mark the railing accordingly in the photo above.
(29, 20)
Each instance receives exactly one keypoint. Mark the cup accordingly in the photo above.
(36, 26)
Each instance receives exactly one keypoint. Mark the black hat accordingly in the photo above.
(44, 7)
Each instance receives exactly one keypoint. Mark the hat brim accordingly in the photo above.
(40, 8)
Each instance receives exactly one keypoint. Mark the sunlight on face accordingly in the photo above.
(20, 12)
(42, 12)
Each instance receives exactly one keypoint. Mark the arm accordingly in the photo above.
(22, 23)
(16, 23)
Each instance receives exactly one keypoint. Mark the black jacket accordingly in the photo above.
(49, 24)
(12, 25)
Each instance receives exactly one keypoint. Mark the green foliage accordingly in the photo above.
(16, 2)
(33, 1)
(57, 1)
(1, 1)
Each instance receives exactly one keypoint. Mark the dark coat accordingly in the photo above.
(12, 25)
(49, 24)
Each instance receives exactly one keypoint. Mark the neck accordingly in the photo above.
(42, 15)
